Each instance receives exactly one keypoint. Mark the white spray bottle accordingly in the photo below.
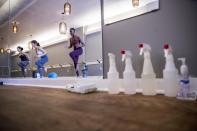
(129, 78)
(170, 70)
(148, 81)
(129, 72)
(147, 71)
(113, 75)
(170, 73)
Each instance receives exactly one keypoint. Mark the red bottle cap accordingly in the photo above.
(166, 46)
(122, 51)
(141, 45)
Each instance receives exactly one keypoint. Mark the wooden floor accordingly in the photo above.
(41, 109)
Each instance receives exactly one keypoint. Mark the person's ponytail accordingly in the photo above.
(21, 48)
(35, 42)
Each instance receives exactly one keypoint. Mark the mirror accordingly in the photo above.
(4, 38)
(39, 20)
(117, 10)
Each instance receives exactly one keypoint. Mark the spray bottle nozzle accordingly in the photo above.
(140, 45)
(182, 60)
(122, 51)
(166, 46)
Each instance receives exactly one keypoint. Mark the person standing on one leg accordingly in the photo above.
(42, 55)
(77, 45)
(24, 60)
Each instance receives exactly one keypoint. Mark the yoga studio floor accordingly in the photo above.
(42, 109)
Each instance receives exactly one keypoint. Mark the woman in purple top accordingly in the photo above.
(77, 45)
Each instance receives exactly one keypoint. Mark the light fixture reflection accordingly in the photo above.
(62, 27)
(1, 50)
(8, 51)
(14, 27)
(67, 8)
(135, 3)
(30, 47)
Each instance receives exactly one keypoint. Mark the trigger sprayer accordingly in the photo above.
(123, 54)
(141, 46)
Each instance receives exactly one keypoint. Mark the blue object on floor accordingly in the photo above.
(84, 71)
(52, 75)
(34, 74)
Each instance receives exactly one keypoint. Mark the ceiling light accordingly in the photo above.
(15, 27)
(8, 51)
(135, 3)
(1, 50)
(62, 27)
(30, 47)
(67, 8)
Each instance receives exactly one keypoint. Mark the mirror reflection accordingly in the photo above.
(117, 10)
(64, 38)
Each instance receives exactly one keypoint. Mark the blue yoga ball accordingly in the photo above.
(52, 75)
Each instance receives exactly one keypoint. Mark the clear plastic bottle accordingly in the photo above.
(84, 71)
(38, 75)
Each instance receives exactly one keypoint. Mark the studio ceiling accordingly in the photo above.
(12, 8)
(2, 2)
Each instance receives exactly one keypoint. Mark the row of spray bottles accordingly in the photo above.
(148, 82)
